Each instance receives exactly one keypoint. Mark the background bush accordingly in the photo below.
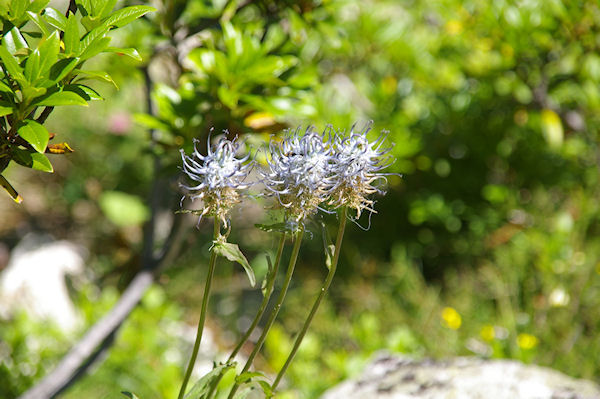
(486, 246)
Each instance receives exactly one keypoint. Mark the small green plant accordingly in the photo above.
(332, 172)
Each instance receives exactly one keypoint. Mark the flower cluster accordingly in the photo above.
(305, 171)
(219, 176)
(299, 172)
(358, 165)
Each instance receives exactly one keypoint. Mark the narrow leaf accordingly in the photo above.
(97, 75)
(60, 98)
(5, 88)
(201, 387)
(14, 41)
(10, 63)
(32, 66)
(49, 49)
(37, 5)
(55, 18)
(10, 190)
(95, 48)
(71, 38)
(234, 254)
(126, 15)
(130, 52)
(5, 110)
(87, 93)
(60, 70)
(17, 9)
(35, 134)
(37, 20)
(130, 395)
(106, 9)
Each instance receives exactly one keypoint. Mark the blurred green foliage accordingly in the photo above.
(486, 246)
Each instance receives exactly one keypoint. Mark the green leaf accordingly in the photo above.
(85, 92)
(37, 5)
(14, 41)
(49, 48)
(71, 38)
(126, 15)
(5, 110)
(106, 8)
(130, 395)
(55, 18)
(131, 52)
(17, 9)
(85, 7)
(95, 47)
(5, 88)
(250, 380)
(30, 92)
(35, 134)
(228, 97)
(123, 209)
(32, 66)
(234, 254)
(60, 70)
(202, 386)
(10, 190)
(33, 160)
(10, 63)
(60, 98)
(97, 75)
(37, 19)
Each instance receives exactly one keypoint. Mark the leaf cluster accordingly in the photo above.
(42, 54)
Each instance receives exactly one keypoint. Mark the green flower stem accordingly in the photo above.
(324, 288)
(284, 288)
(205, 298)
(261, 310)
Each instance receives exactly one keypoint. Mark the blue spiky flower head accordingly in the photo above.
(299, 173)
(218, 177)
(357, 169)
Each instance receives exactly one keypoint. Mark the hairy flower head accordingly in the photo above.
(358, 165)
(299, 172)
(218, 177)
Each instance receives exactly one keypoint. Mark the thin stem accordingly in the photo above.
(259, 313)
(324, 288)
(284, 288)
(205, 298)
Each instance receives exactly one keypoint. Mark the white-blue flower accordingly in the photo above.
(299, 172)
(218, 177)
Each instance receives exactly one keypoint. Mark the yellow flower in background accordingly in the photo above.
(451, 318)
(527, 341)
(487, 332)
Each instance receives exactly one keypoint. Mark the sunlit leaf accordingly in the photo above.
(202, 386)
(234, 254)
(61, 98)
(33, 160)
(126, 15)
(35, 134)
(130, 52)
(55, 18)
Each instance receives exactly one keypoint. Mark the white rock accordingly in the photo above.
(34, 280)
(393, 377)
